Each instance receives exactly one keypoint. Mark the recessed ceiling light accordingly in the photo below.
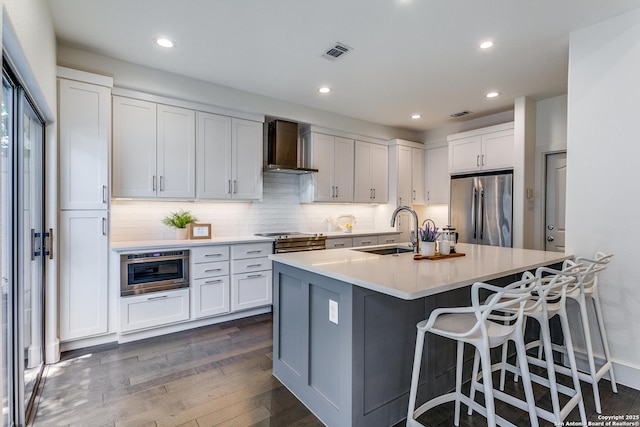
(164, 42)
(486, 45)
(416, 116)
(324, 89)
(492, 94)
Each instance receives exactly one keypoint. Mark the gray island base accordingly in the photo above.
(345, 325)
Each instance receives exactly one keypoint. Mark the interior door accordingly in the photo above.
(555, 202)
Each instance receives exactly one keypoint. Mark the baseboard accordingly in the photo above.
(149, 333)
(626, 373)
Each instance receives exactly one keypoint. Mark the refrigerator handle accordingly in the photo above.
(481, 213)
(474, 197)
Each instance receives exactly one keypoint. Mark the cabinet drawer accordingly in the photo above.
(210, 269)
(344, 242)
(252, 264)
(388, 238)
(153, 309)
(252, 250)
(210, 296)
(251, 290)
(365, 241)
(209, 253)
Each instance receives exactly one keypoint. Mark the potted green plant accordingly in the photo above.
(179, 220)
(428, 234)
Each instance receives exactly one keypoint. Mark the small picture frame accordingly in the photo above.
(199, 231)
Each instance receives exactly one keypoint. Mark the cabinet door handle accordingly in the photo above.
(104, 194)
(254, 265)
(104, 226)
(235, 186)
(160, 297)
(212, 270)
(229, 186)
(208, 282)
(374, 193)
(153, 185)
(161, 183)
(254, 252)
(338, 244)
(368, 242)
(389, 241)
(414, 195)
(208, 255)
(483, 160)
(253, 276)
(333, 191)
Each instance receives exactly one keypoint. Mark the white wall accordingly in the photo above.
(603, 172)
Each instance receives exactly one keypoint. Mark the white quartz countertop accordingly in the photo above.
(172, 244)
(403, 277)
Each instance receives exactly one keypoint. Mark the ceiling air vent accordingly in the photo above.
(336, 51)
(460, 114)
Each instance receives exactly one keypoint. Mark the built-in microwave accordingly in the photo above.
(153, 271)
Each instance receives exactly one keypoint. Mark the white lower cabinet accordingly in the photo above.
(209, 281)
(153, 309)
(339, 243)
(83, 258)
(251, 283)
(386, 239)
(251, 290)
(210, 296)
(365, 241)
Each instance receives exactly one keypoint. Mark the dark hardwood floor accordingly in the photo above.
(219, 376)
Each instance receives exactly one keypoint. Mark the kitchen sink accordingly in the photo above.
(388, 250)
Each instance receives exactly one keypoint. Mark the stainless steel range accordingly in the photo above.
(296, 242)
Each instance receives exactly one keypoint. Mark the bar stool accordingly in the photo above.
(548, 302)
(585, 289)
(483, 327)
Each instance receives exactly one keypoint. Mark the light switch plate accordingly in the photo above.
(333, 311)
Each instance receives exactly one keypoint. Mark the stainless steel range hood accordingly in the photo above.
(283, 150)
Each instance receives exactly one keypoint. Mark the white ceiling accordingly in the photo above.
(412, 56)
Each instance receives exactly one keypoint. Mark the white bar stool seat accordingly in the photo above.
(484, 328)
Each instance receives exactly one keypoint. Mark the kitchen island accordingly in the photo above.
(344, 324)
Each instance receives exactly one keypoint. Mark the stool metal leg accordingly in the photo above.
(460, 354)
(415, 378)
(605, 341)
(587, 340)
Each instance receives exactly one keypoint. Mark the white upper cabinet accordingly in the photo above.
(490, 148)
(437, 175)
(153, 150)
(333, 156)
(213, 154)
(176, 155)
(84, 117)
(371, 182)
(229, 158)
(246, 154)
(406, 173)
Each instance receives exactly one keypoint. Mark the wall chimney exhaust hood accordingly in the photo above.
(283, 149)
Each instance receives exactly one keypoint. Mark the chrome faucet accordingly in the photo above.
(415, 240)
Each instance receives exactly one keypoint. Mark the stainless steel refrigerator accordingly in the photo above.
(481, 208)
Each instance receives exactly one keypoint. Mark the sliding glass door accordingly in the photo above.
(22, 250)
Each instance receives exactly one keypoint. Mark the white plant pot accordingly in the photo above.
(427, 248)
(181, 234)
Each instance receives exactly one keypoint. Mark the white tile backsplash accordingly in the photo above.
(279, 210)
